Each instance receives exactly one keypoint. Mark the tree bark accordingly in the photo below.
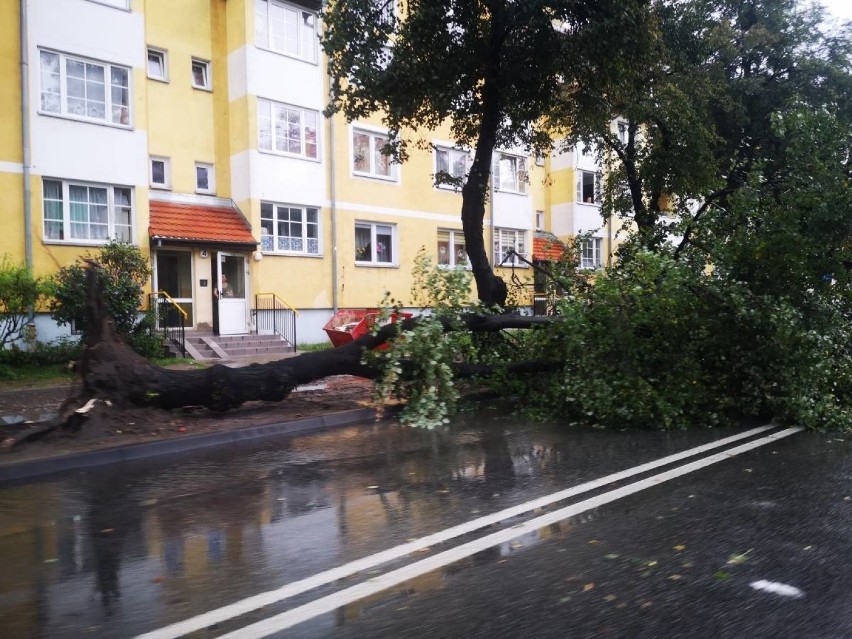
(491, 290)
(112, 371)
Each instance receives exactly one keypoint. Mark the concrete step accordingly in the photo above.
(238, 346)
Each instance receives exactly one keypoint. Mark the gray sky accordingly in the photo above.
(839, 8)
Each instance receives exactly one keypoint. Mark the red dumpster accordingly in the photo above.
(350, 324)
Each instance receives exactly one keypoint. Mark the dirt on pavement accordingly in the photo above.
(109, 426)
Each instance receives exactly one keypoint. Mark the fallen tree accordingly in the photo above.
(112, 374)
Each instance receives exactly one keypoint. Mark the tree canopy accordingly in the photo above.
(499, 72)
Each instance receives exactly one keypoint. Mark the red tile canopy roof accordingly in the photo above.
(195, 224)
(547, 247)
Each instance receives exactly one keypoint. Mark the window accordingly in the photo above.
(588, 191)
(623, 132)
(287, 129)
(385, 9)
(160, 173)
(84, 89)
(539, 220)
(289, 229)
(506, 240)
(510, 173)
(157, 69)
(201, 75)
(205, 179)
(451, 166)
(451, 248)
(374, 243)
(590, 252)
(286, 29)
(79, 212)
(368, 156)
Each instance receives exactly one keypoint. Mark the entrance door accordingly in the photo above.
(233, 304)
(174, 276)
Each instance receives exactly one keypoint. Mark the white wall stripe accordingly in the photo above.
(375, 585)
(260, 600)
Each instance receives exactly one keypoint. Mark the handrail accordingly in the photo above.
(177, 333)
(272, 314)
(172, 302)
(284, 302)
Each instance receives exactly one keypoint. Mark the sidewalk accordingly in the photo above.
(137, 433)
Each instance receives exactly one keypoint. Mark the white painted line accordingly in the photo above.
(375, 585)
(286, 591)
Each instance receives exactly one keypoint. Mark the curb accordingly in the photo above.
(118, 454)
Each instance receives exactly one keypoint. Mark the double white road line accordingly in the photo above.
(374, 585)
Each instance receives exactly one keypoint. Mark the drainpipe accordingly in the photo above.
(332, 195)
(331, 178)
(25, 145)
(491, 211)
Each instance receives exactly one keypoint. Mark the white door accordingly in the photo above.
(233, 295)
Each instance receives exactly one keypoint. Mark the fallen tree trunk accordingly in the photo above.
(114, 374)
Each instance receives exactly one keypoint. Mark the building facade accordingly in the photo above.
(195, 130)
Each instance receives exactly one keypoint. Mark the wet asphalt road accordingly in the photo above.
(122, 551)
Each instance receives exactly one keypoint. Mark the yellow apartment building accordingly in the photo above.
(194, 129)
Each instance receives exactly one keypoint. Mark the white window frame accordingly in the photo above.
(301, 48)
(591, 253)
(456, 244)
(164, 64)
(596, 186)
(125, 120)
(268, 111)
(453, 153)
(519, 174)
(506, 238)
(374, 137)
(167, 172)
(272, 243)
(67, 224)
(207, 85)
(375, 229)
(211, 178)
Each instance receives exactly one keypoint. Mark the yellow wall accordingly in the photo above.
(181, 122)
(10, 88)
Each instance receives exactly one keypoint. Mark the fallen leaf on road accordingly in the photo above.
(593, 541)
(675, 577)
(680, 547)
(721, 575)
(610, 598)
(588, 587)
(611, 555)
(647, 604)
(737, 559)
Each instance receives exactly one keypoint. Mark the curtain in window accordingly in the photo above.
(264, 125)
(380, 160)
(444, 248)
(51, 93)
(361, 152)
(122, 225)
(53, 224)
(312, 216)
(384, 239)
(363, 238)
(120, 95)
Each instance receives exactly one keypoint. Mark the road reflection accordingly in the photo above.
(122, 551)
